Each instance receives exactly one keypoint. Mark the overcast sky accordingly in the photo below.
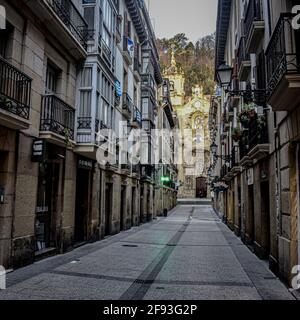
(195, 18)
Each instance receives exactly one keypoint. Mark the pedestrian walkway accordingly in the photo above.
(190, 255)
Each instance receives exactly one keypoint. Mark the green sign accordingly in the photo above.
(165, 179)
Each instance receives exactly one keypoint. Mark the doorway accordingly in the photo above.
(123, 207)
(108, 207)
(48, 186)
(250, 220)
(201, 188)
(265, 212)
(133, 206)
(82, 205)
(142, 205)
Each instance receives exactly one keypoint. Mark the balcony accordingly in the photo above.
(136, 170)
(137, 69)
(106, 52)
(15, 92)
(224, 172)
(127, 105)
(64, 19)
(126, 169)
(283, 66)
(148, 84)
(118, 30)
(147, 172)
(254, 26)
(137, 119)
(254, 145)
(57, 121)
(258, 141)
(127, 54)
(243, 61)
(89, 136)
(234, 166)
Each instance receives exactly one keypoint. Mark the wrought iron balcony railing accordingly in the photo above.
(57, 116)
(241, 54)
(234, 157)
(15, 90)
(224, 170)
(282, 54)
(137, 116)
(126, 46)
(72, 19)
(253, 14)
(127, 104)
(84, 123)
(257, 134)
(106, 51)
(137, 65)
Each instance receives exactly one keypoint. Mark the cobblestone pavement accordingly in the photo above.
(189, 255)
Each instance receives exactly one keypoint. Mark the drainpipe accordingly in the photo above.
(278, 179)
(298, 196)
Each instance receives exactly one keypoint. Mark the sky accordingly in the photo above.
(195, 18)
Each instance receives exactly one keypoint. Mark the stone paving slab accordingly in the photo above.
(208, 264)
(203, 292)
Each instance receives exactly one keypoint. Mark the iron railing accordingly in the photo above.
(256, 134)
(282, 56)
(72, 19)
(241, 54)
(234, 157)
(84, 123)
(127, 104)
(136, 168)
(106, 51)
(15, 90)
(224, 171)
(244, 145)
(137, 116)
(253, 14)
(125, 46)
(57, 116)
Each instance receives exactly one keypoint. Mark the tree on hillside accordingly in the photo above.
(196, 60)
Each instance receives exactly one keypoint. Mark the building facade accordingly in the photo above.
(70, 71)
(193, 150)
(254, 125)
(167, 170)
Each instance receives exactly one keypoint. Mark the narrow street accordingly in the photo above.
(189, 255)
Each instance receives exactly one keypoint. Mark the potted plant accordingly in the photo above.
(244, 117)
(236, 134)
(252, 114)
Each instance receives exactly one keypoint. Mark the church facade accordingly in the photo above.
(194, 138)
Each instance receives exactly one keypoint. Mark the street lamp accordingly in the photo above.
(224, 74)
(214, 149)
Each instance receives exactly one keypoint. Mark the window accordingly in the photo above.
(4, 36)
(107, 100)
(86, 92)
(85, 104)
(51, 79)
(86, 77)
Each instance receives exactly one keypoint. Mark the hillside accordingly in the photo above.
(196, 60)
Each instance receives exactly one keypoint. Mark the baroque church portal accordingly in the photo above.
(193, 116)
